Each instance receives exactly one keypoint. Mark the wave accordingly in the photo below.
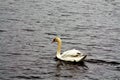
(102, 61)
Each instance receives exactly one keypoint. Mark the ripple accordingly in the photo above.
(72, 43)
(14, 19)
(102, 61)
(117, 68)
(14, 53)
(2, 30)
(67, 76)
(51, 34)
(29, 30)
(28, 77)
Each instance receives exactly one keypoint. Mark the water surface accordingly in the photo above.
(27, 28)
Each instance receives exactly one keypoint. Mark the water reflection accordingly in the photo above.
(69, 70)
(71, 64)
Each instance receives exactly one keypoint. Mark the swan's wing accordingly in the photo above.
(72, 53)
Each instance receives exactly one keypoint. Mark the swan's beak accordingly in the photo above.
(53, 41)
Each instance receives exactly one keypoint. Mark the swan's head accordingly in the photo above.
(56, 39)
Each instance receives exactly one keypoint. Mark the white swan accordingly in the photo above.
(70, 55)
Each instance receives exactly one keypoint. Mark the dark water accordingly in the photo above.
(28, 26)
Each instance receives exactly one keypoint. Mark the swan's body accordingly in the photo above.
(70, 55)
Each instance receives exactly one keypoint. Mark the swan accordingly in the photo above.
(70, 55)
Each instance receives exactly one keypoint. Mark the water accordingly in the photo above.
(27, 28)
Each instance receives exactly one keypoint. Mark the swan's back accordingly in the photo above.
(72, 55)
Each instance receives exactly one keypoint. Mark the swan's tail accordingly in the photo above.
(84, 56)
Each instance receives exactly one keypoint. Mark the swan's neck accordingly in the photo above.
(59, 48)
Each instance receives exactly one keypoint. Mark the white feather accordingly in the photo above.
(72, 55)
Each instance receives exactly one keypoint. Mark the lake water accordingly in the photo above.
(27, 28)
